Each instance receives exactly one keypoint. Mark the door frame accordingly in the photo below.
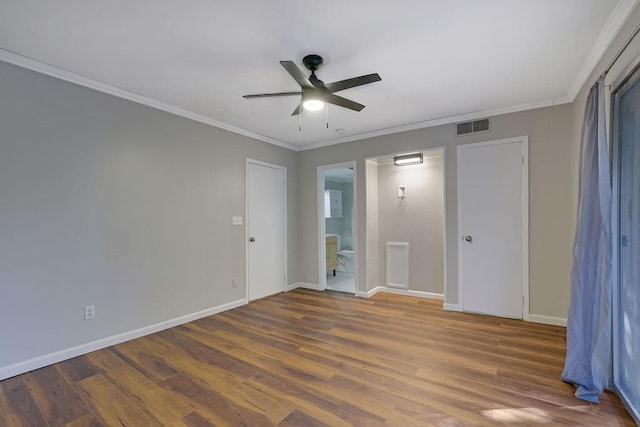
(524, 151)
(249, 162)
(614, 132)
(615, 238)
(322, 262)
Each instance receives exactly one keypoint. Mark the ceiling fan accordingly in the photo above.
(314, 92)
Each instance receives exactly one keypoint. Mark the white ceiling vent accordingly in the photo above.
(472, 127)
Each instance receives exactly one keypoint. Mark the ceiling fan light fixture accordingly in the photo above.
(315, 93)
(313, 104)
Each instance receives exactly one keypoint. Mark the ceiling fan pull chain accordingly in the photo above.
(327, 108)
(300, 121)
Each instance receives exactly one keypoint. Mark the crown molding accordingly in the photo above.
(439, 121)
(50, 70)
(614, 23)
(609, 32)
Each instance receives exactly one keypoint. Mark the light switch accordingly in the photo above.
(236, 220)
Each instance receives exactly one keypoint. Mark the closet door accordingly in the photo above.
(492, 214)
(266, 229)
(626, 313)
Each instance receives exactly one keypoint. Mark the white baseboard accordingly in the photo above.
(451, 307)
(548, 320)
(535, 318)
(293, 286)
(369, 293)
(59, 356)
(304, 285)
(407, 292)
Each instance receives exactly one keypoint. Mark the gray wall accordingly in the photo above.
(551, 188)
(418, 220)
(107, 202)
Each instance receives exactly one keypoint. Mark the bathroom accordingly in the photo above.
(339, 236)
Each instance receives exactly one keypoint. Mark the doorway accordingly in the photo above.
(493, 206)
(337, 213)
(405, 223)
(266, 230)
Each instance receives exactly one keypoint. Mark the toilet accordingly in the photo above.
(347, 261)
(346, 258)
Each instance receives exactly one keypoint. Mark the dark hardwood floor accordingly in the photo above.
(306, 358)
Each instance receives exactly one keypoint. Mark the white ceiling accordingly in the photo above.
(440, 61)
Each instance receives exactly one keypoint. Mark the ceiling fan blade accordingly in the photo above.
(342, 102)
(297, 74)
(349, 83)
(297, 110)
(264, 95)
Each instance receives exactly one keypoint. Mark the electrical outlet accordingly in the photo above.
(234, 282)
(236, 220)
(89, 312)
(402, 191)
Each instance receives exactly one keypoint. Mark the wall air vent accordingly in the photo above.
(472, 127)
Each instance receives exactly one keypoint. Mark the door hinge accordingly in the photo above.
(523, 301)
(522, 158)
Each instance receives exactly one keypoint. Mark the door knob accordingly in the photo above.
(468, 239)
(252, 239)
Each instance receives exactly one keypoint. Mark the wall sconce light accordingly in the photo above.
(408, 159)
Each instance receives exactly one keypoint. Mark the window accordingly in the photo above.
(626, 312)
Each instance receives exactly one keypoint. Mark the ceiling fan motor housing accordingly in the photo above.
(312, 62)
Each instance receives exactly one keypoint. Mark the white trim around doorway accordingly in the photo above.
(322, 270)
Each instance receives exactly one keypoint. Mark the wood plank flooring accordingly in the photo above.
(305, 358)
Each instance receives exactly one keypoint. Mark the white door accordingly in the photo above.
(266, 229)
(492, 206)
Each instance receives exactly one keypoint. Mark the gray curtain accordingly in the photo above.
(589, 329)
